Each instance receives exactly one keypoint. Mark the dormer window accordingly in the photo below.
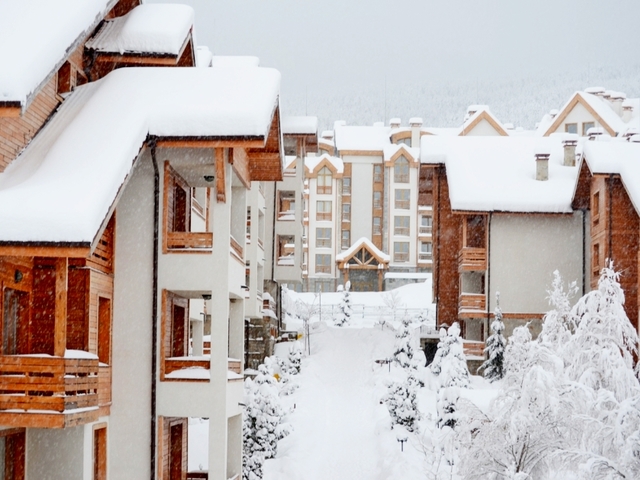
(324, 180)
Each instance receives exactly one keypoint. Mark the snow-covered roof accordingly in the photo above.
(390, 150)
(300, 125)
(363, 138)
(481, 112)
(35, 37)
(67, 178)
(149, 28)
(617, 157)
(499, 173)
(357, 245)
(311, 162)
(235, 61)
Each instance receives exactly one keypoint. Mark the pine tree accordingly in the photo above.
(295, 358)
(441, 352)
(454, 375)
(344, 312)
(494, 365)
(401, 401)
(404, 352)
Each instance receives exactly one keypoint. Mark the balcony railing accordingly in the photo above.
(36, 390)
(172, 365)
(424, 230)
(472, 259)
(189, 240)
(424, 257)
(236, 248)
(472, 303)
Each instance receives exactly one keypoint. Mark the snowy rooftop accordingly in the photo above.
(617, 157)
(300, 125)
(479, 110)
(68, 177)
(498, 173)
(357, 245)
(149, 28)
(35, 36)
(311, 162)
(391, 149)
(362, 138)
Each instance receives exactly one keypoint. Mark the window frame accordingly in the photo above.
(402, 225)
(401, 170)
(571, 126)
(322, 214)
(402, 203)
(323, 241)
(321, 267)
(400, 256)
(324, 181)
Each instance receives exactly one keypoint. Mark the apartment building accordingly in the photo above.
(123, 201)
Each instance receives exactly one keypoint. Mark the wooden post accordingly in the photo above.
(221, 196)
(60, 332)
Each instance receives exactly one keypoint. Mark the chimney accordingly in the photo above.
(542, 164)
(627, 111)
(553, 113)
(416, 124)
(570, 143)
(395, 122)
(616, 102)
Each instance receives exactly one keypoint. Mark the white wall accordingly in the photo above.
(361, 200)
(55, 454)
(578, 115)
(524, 252)
(483, 128)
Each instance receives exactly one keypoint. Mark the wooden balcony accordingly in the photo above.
(51, 392)
(471, 305)
(236, 248)
(473, 348)
(189, 365)
(187, 240)
(472, 259)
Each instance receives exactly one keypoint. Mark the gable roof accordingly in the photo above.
(393, 151)
(315, 164)
(149, 28)
(482, 113)
(596, 106)
(35, 38)
(67, 179)
(497, 174)
(618, 158)
(363, 243)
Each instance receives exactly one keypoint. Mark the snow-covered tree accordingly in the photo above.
(558, 323)
(454, 375)
(441, 352)
(404, 351)
(295, 358)
(344, 310)
(262, 422)
(401, 401)
(494, 365)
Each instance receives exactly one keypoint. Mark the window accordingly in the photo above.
(401, 225)
(586, 126)
(346, 239)
(323, 238)
(595, 267)
(323, 263)
(402, 199)
(426, 250)
(400, 251)
(426, 224)
(571, 127)
(401, 170)
(286, 205)
(346, 186)
(286, 249)
(377, 226)
(323, 210)
(595, 208)
(404, 141)
(248, 224)
(346, 212)
(324, 181)
(377, 199)
(377, 174)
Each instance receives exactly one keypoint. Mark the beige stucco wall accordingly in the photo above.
(55, 454)
(362, 204)
(483, 128)
(524, 252)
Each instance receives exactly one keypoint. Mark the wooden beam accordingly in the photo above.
(10, 112)
(371, 153)
(136, 59)
(241, 166)
(221, 196)
(60, 332)
(44, 251)
(209, 143)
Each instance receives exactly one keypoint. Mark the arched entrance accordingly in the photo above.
(363, 264)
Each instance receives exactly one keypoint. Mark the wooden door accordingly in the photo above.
(175, 452)
(100, 453)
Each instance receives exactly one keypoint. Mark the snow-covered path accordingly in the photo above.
(341, 430)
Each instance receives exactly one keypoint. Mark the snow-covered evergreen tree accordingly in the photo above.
(401, 401)
(262, 422)
(494, 365)
(344, 310)
(441, 352)
(454, 375)
(558, 323)
(295, 357)
(404, 352)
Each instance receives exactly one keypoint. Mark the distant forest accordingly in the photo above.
(521, 101)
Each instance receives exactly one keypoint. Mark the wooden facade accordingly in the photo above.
(172, 448)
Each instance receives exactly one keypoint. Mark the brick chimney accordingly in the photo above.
(570, 143)
(542, 164)
(416, 124)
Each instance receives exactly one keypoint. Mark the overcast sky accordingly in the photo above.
(328, 45)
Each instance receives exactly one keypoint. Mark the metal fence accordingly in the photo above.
(373, 313)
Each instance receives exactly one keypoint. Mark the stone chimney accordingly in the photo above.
(395, 122)
(542, 164)
(570, 143)
(416, 124)
(627, 110)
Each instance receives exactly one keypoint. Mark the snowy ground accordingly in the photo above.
(341, 431)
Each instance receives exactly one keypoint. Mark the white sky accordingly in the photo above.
(329, 45)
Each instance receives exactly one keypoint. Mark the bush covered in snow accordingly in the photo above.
(344, 310)
(295, 357)
(263, 422)
(404, 354)
(401, 402)
(453, 376)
